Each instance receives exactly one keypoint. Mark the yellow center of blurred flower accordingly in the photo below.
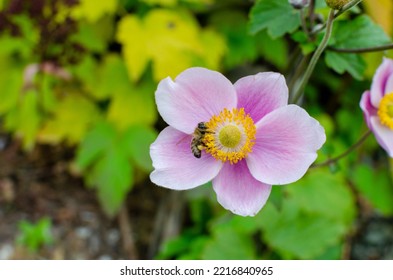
(385, 111)
(231, 135)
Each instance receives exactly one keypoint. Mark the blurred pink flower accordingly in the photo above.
(377, 105)
(254, 139)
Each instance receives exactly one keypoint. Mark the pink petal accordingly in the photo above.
(262, 93)
(286, 144)
(238, 191)
(379, 84)
(389, 85)
(383, 134)
(195, 96)
(175, 165)
(367, 107)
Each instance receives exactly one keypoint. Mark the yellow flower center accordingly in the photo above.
(231, 135)
(385, 111)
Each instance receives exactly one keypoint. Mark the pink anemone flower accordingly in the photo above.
(248, 136)
(377, 105)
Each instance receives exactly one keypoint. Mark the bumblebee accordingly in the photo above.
(197, 144)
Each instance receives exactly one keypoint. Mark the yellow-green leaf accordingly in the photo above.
(131, 34)
(92, 10)
(133, 106)
(170, 38)
(10, 84)
(70, 122)
(169, 3)
(214, 48)
(25, 119)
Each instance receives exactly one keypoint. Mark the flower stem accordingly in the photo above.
(363, 50)
(298, 72)
(344, 154)
(315, 58)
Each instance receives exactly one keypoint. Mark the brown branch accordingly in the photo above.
(363, 50)
(344, 154)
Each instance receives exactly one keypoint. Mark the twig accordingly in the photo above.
(363, 50)
(127, 234)
(344, 154)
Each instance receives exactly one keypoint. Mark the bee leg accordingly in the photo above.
(201, 147)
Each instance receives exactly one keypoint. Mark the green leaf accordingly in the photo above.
(94, 144)
(105, 160)
(305, 44)
(376, 186)
(295, 234)
(277, 16)
(94, 36)
(241, 45)
(273, 50)
(112, 175)
(24, 44)
(341, 62)
(33, 236)
(316, 213)
(360, 32)
(229, 244)
(137, 141)
(324, 194)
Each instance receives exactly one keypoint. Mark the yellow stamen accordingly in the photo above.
(385, 111)
(231, 137)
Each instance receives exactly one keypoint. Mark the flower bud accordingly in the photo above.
(336, 4)
(299, 4)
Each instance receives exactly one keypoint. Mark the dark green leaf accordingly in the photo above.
(361, 32)
(341, 62)
(277, 16)
(240, 44)
(375, 186)
(273, 50)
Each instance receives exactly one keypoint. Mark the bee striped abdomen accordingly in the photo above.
(197, 144)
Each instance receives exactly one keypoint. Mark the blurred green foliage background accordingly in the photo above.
(82, 74)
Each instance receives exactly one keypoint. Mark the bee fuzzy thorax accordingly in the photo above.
(197, 144)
